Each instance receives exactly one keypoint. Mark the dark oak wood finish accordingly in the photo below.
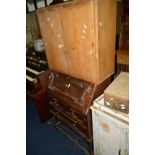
(69, 100)
(41, 103)
(43, 80)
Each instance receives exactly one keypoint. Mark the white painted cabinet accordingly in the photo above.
(110, 130)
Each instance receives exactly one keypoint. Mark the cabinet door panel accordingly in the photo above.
(110, 134)
(106, 10)
(50, 22)
(78, 22)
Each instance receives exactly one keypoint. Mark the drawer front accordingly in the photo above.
(69, 117)
(78, 118)
(69, 111)
(71, 123)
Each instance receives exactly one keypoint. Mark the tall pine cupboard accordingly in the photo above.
(79, 38)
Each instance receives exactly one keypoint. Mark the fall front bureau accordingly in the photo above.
(69, 99)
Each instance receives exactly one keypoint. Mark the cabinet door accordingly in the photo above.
(78, 23)
(50, 23)
(110, 135)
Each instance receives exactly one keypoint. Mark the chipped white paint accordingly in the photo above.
(111, 99)
(83, 37)
(108, 103)
(68, 85)
(60, 45)
(48, 19)
(90, 52)
(100, 23)
(59, 35)
(52, 25)
(85, 26)
(122, 106)
(110, 134)
(84, 31)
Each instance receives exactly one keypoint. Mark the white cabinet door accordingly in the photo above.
(110, 135)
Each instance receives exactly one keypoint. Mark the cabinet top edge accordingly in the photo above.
(63, 4)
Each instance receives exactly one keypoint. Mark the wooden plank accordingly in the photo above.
(78, 22)
(82, 41)
(106, 26)
(51, 29)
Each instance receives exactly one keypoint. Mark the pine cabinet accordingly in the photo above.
(79, 38)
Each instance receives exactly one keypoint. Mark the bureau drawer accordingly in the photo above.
(78, 118)
(81, 119)
(69, 113)
(81, 130)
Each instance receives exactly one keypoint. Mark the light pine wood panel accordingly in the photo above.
(78, 22)
(106, 25)
(79, 38)
(51, 29)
